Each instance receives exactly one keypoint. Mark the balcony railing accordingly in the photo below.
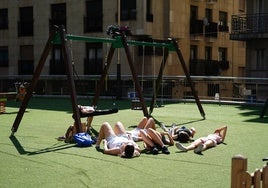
(201, 67)
(249, 26)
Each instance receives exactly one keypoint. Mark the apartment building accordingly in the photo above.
(200, 26)
(252, 28)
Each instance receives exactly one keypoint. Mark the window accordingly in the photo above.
(222, 54)
(3, 18)
(128, 10)
(58, 15)
(93, 19)
(26, 63)
(193, 12)
(57, 65)
(223, 18)
(260, 64)
(223, 62)
(149, 11)
(3, 56)
(208, 15)
(25, 24)
(223, 21)
(196, 26)
(193, 52)
(93, 64)
(208, 53)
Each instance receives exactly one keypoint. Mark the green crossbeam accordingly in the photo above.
(116, 42)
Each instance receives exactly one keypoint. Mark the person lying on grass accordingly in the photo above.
(153, 140)
(180, 133)
(116, 141)
(204, 143)
(144, 124)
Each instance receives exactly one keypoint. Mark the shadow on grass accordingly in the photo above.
(22, 151)
(254, 112)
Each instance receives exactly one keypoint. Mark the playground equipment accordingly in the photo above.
(118, 40)
(21, 90)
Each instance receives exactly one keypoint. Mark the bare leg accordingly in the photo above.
(147, 139)
(155, 137)
(150, 124)
(190, 147)
(119, 128)
(104, 132)
(142, 123)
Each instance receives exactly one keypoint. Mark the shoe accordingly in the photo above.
(181, 147)
(155, 151)
(165, 150)
(199, 148)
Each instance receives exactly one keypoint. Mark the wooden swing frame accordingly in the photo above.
(58, 35)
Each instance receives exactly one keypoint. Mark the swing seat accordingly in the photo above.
(92, 112)
(99, 112)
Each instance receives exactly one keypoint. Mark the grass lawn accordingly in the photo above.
(34, 157)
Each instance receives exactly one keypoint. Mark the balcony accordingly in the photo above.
(202, 67)
(249, 26)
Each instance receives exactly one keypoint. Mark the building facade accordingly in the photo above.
(252, 28)
(200, 26)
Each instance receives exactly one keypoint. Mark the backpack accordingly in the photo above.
(83, 140)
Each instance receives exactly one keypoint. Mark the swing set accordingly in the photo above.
(118, 40)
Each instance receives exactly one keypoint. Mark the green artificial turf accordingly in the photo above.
(34, 157)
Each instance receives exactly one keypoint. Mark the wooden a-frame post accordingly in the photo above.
(185, 70)
(36, 75)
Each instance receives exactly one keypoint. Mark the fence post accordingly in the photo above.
(239, 164)
(265, 176)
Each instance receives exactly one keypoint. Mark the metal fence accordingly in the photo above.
(172, 87)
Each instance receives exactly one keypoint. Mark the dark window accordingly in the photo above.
(26, 63)
(260, 59)
(208, 15)
(3, 18)
(222, 54)
(58, 15)
(149, 11)
(196, 26)
(93, 19)
(128, 10)
(194, 12)
(223, 18)
(25, 24)
(3, 56)
(208, 53)
(93, 64)
(193, 52)
(57, 65)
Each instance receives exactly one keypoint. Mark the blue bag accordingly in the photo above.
(83, 139)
